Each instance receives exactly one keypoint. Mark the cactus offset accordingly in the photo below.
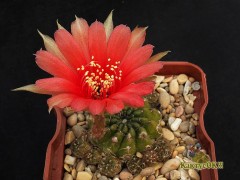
(94, 156)
(135, 164)
(110, 165)
(129, 131)
(160, 151)
(80, 147)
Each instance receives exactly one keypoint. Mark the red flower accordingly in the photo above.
(95, 68)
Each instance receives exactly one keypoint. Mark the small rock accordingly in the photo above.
(171, 119)
(184, 126)
(182, 78)
(66, 167)
(74, 173)
(162, 123)
(81, 166)
(179, 111)
(174, 154)
(195, 116)
(174, 141)
(180, 149)
(184, 175)
(175, 125)
(192, 128)
(78, 130)
(80, 117)
(171, 164)
(68, 151)
(193, 174)
(157, 166)
(189, 109)
(92, 168)
(174, 86)
(72, 120)
(103, 178)
(161, 178)
(191, 79)
(116, 177)
(158, 80)
(138, 177)
(177, 133)
(168, 79)
(69, 137)
(125, 175)
(187, 87)
(163, 85)
(139, 155)
(84, 176)
(174, 175)
(68, 111)
(180, 91)
(164, 99)
(147, 171)
(70, 160)
(167, 134)
(67, 176)
(196, 86)
(189, 140)
(160, 90)
(152, 177)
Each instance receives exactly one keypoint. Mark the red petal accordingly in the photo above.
(69, 47)
(54, 66)
(57, 85)
(140, 89)
(137, 39)
(142, 72)
(80, 104)
(79, 29)
(97, 41)
(114, 106)
(129, 98)
(136, 59)
(97, 106)
(60, 100)
(118, 42)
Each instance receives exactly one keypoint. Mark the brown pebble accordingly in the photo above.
(179, 111)
(125, 175)
(147, 171)
(152, 177)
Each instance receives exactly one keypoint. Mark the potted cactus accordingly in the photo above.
(121, 114)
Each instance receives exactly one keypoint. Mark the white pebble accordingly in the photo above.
(69, 160)
(196, 86)
(171, 120)
(175, 125)
(187, 87)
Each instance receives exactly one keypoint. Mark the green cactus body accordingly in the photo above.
(135, 164)
(130, 131)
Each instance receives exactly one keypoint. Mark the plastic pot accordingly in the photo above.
(55, 151)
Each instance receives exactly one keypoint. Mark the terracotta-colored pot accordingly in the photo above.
(55, 151)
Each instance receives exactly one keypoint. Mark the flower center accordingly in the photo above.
(100, 79)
